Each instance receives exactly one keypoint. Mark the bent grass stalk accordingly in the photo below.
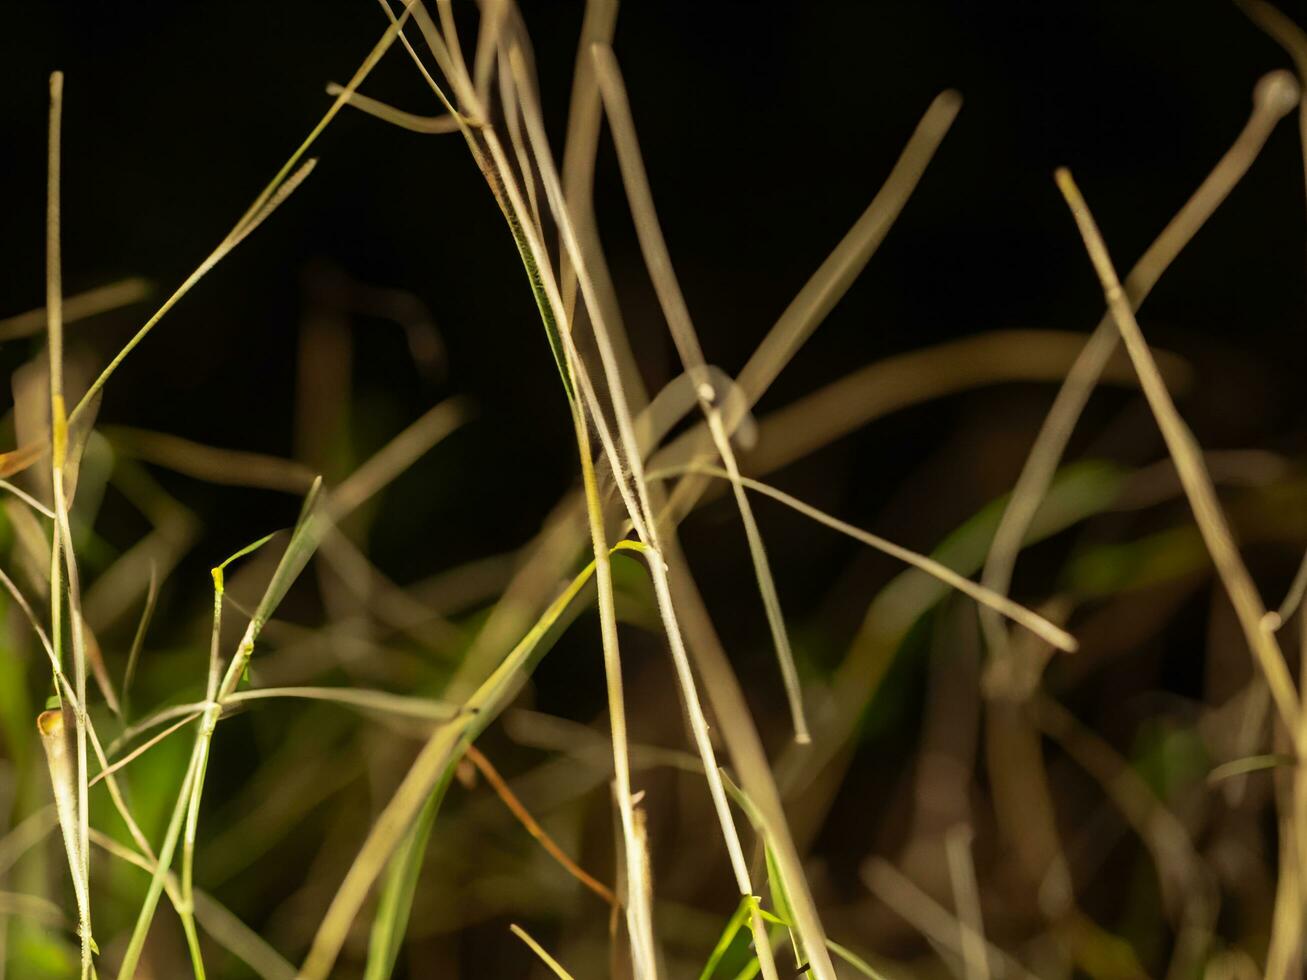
(659, 263)
(1032, 621)
(1273, 97)
(836, 274)
(523, 815)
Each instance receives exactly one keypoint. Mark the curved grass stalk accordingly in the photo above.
(1274, 96)
(1032, 621)
(411, 121)
(580, 149)
(1291, 37)
(836, 274)
(675, 311)
(532, 827)
(211, 463)
(893, 383)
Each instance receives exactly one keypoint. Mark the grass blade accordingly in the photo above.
(1193, 474)
(430, 773)
(677, 314)
(539, 950)
(1274, 96)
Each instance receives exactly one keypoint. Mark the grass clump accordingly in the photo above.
(401, 694)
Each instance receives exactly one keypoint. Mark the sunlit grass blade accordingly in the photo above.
(639, 510)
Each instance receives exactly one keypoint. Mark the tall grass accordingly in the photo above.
(615, 545)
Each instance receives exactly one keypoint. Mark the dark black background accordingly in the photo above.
(767, 128)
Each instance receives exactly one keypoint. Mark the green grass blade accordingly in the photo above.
(733, 926)
(430, 774)
(397, 892)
